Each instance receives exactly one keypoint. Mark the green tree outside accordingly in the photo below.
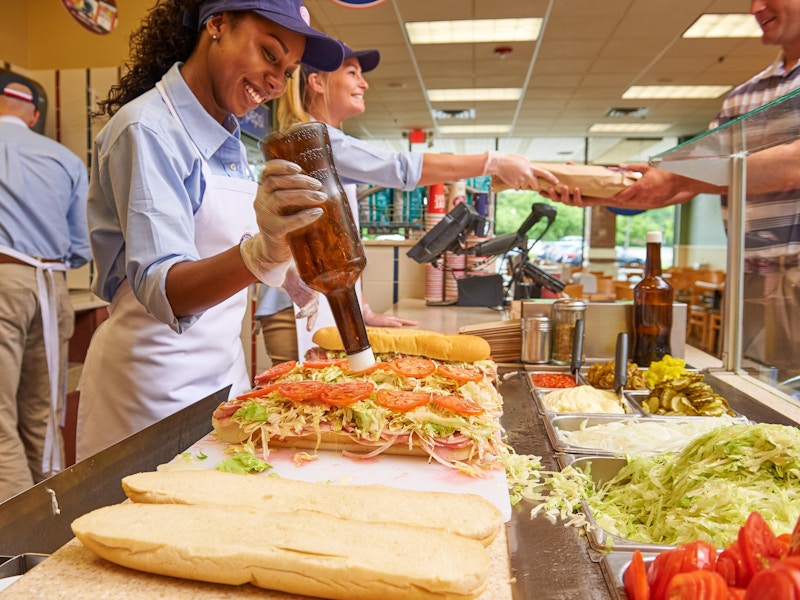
(512, 208)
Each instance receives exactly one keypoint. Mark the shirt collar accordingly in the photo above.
(13, 119)
(205, 131)
(777, 68)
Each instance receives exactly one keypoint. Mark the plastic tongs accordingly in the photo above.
(621, 364)
(577, 349)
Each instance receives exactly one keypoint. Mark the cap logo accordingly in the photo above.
(304, 15)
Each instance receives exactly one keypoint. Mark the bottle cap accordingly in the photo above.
(653, 237)
(363, 359)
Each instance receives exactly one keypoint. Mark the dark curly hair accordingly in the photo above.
(161, 40)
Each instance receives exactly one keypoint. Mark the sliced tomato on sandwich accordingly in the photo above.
(302, 390)
(275, 371)
(413, 366)
(344, 394)
(259, 392)
(401, 400)
(324, 363)
(460, 374)
(459, 404)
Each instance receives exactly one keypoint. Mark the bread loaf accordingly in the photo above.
(459, 347)
(299, 552)
(467, 515)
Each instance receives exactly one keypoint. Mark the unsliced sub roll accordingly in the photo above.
(300, 552)
(416, 342)
(467, 515)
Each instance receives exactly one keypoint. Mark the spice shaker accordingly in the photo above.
(566, 311)
(536, 339)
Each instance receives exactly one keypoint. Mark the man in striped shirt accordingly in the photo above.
(772, 212)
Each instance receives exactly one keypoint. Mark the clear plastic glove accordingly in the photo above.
(303, 296)
(286, 200)
(516, 171)
(374, 319)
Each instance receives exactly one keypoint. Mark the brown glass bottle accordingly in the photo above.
(652, 308)
(328, 252)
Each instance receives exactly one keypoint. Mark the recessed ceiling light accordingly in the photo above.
(474, 94)
(466, 113)
(675, 92)
(473, 31)
(724, 26)
(629, 127)
(474, 129)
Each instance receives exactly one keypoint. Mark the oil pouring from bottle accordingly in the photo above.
(652, 308)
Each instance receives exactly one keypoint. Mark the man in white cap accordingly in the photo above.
(42, 233)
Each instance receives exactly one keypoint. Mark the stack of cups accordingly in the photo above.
(437, 209)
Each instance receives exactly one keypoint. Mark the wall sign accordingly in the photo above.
(357, 3)
(98, 16)
(257, 122)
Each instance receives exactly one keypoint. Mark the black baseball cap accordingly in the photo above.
(7, 78)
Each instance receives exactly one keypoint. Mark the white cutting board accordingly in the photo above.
(407, 472)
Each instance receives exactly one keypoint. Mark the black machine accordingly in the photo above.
(449, 235)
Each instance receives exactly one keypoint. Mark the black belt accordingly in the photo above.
(771, 265)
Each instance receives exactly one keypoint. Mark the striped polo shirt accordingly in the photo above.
(772, 221)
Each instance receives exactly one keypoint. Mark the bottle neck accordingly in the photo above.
(653, 260)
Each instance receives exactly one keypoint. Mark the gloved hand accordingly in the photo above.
(516, 171)
(286, 200)
(303, 296)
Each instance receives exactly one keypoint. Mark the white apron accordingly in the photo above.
(46, 289)
(138, 370)
(324, 314)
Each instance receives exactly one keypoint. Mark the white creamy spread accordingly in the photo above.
(583, 399)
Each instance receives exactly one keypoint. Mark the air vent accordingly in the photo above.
(630, 113)
(466, 113)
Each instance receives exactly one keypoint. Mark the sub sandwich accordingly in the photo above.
(429, 394)
(468, 515)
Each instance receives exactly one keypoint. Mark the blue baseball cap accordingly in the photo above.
(368, 59)
(322, 52)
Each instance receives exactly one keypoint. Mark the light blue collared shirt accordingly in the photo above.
(42, 196)
(146, 186)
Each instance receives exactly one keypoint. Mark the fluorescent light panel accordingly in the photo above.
(473, 129)
(675, 92)
(724, 26)
(629, 127)
(474, 94)
(473, 31)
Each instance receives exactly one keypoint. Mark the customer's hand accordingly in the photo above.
(303, 296)
(286, 200)
(516, 171)
(374, 319)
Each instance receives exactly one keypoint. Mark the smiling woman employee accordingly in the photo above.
(170, 201)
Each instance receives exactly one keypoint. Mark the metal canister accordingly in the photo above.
(566, 311)
(536, 339)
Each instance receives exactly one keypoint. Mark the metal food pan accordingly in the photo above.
(635, 399)
(538, 394)
(531, 373)
(572, 422)
(14, 567)
(614, 565)
(604, 468)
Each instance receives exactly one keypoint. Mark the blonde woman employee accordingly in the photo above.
(332, 97)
